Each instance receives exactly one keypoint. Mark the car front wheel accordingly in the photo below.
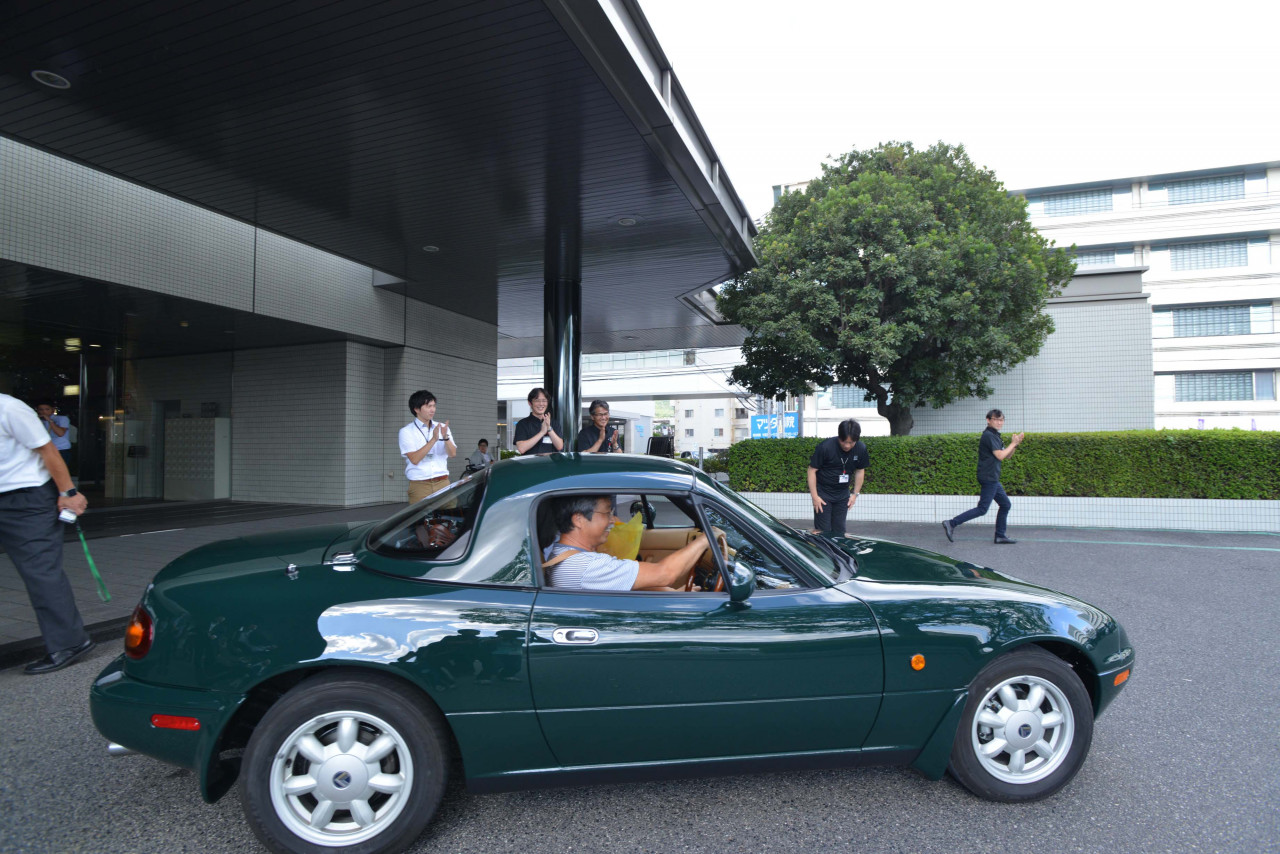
(344, 764)
(1026, 728)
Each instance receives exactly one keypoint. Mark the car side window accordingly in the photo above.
(658, 511)
(436, 528)
(744, 546)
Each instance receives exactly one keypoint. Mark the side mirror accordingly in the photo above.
(742, 581)
(646, 510)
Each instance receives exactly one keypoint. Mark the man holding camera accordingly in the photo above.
(34, 486)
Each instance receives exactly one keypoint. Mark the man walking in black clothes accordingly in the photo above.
(834, 463)
(991, 453)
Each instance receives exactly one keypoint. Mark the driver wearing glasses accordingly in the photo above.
(572, 562)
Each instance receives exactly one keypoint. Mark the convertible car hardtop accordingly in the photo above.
(341, 672)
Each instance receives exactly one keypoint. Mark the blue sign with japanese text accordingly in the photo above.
(766, 426)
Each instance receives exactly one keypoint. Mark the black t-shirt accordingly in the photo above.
(988, 465)
(527, 428)
(831, 462)
(587, 437)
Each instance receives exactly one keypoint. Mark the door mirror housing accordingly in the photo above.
(742, 581)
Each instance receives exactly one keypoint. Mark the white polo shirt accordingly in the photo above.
(413, 436)
(21, 432)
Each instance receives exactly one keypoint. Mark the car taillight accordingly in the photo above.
(137, 638)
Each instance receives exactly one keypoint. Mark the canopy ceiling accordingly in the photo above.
(372, 130)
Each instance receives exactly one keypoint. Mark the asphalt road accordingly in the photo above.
(1186, 760)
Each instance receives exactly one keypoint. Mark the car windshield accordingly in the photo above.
(435, 528)
(817, 556)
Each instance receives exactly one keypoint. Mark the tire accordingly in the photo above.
(1011, 748)
(369, 804)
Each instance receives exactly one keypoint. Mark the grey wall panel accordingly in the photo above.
(1094, 373)
(304, 284)
(442, 331)
(363, 411)
(57, 214)
(289, 425)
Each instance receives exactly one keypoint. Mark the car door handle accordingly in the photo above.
(575, 636)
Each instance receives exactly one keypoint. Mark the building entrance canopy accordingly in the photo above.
(477, 155)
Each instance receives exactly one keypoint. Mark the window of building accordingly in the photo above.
(740, 412)
(1210, 320)
(1080, 202)
(1216, 385)
(719, 413)
(1264, 385)
(1096, 258)
(688, 434)
(691, 357)
(850, 397)
(718, 432)
(1218, 188)
(1209, 254)
(688, 413)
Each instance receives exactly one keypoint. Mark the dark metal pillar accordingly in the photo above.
(562, 272)
(562, 354)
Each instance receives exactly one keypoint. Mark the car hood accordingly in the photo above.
(276, 550)
(889, 562)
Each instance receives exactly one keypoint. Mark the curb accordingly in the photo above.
(22, 651)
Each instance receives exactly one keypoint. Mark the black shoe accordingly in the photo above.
(58, 660)
(1004, 541)
(948, 528)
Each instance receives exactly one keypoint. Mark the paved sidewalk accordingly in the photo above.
(127, 564)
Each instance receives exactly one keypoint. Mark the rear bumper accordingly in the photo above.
(122, 708)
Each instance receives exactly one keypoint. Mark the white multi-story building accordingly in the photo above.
(1208, 245)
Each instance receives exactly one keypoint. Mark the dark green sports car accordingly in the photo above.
(342, 672)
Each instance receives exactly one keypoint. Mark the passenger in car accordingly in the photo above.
(583, 522)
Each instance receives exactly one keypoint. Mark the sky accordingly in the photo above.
(1041, 93)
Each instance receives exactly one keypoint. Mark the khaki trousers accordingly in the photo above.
(420, 489)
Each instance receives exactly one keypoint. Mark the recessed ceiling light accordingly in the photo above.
(628, 337)
(430, 248)
(627, 220)
(182, 323)
(96, 346)
(50, 79)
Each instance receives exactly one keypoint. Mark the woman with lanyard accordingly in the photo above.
(833, 462)
(534, 433)
(426, 445)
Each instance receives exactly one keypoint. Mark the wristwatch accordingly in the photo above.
(70, 493)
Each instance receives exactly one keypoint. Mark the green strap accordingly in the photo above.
(103, 593)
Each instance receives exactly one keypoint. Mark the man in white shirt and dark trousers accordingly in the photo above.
(34, 487)
(426, 445)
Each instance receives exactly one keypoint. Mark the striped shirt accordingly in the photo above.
(589, 570)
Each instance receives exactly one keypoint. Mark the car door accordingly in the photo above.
(624, 677)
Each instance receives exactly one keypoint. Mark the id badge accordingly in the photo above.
(844, 477)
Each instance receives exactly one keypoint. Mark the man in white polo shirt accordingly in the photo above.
(426, 445)
(34, 486)
(573, 562)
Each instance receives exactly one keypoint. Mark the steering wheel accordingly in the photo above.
(706, 567)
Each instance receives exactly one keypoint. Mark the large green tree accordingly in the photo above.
(910, 274)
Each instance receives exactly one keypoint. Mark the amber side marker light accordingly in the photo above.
(138, 636)
(175, 722)
(917, 662)
(1121, 677)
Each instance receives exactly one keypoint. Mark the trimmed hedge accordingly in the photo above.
(1131, 464)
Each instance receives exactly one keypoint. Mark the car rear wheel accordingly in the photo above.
(1026, 728)
(347, 764)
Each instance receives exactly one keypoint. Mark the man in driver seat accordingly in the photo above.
(573, 562)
